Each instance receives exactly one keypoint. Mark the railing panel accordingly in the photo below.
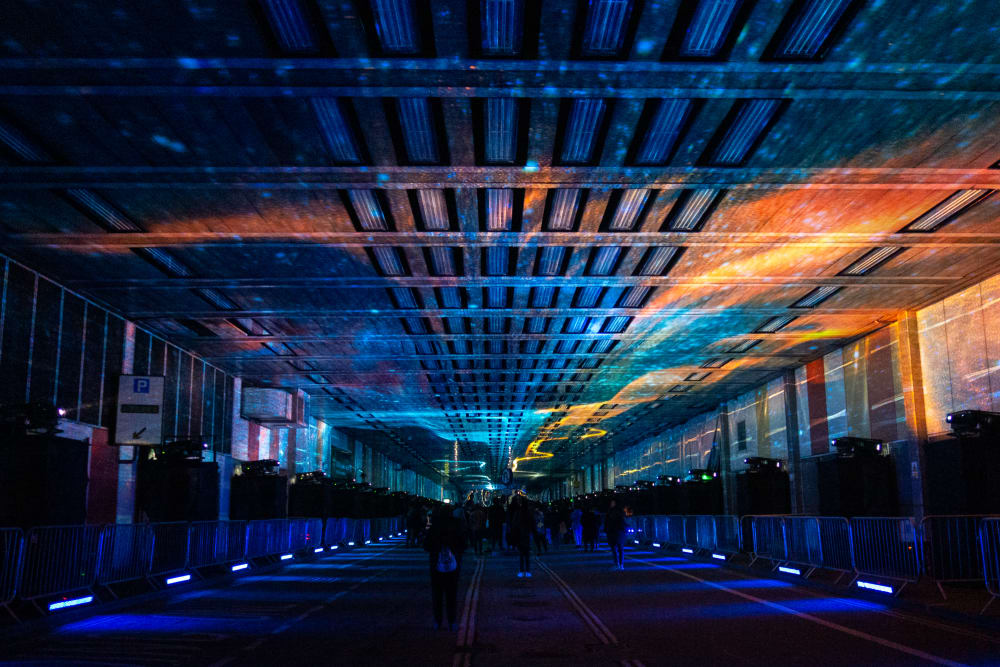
(304, 533)
(11, 552)
(727, 533)
(835, 539)
(886, 547)
(802, 540)
(216, 542)
(989, 544)
(769, 537)
(690, 531)
(675, 530)
(126, 553)
(951, 547)
(704, 531)
(267, 537)
(59, 559)
(170, 547)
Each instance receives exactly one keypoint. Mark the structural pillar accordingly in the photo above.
(792, 439)
(911, 375)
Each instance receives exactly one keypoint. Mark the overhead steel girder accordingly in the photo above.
(368, 282)
(324, 177)
(285, 240)
(637, 313)
(416, 77)
(604, 371)
(413, 356)
(442, 337)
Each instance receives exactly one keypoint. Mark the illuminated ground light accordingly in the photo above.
(180, 579)
(318, 550)
(687, 551)
(718, 556)
(790, 570)
(240, 566)
(656, 544)
(335, 546)
(62, 604)
(368, 541)
(286, 556)
(350, 544)
(875, 587)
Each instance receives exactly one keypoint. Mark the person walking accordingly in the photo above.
(590, 528)
(522, 527)
(477, 527)
(496, 518)
(444, 544)
(576, 517)
(541, 544)
(614, 526)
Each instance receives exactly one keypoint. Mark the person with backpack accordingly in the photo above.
(444, 544)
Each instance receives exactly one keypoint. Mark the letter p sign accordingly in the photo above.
(140, 386)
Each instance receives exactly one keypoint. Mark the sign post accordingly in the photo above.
(140, 410)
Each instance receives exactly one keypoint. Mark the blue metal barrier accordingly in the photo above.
(59, 559)
(803, 545)
(951, 548)
(266, 537)
(768, 538)
(989, 545)
(835, 543)
(11, 551)
(303, 533)
(170, 547)
(335, 531)
(887, 547)
(126, 552)
(216, 542)
(727, 533)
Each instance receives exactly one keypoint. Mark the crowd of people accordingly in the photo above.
(507, 525)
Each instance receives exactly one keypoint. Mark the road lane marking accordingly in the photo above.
(888, 643)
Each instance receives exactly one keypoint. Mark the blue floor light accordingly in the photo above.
(180, 579)
(318, 550)
(687, 551)
(286, 556)
(875, 587)
(240, 566)
(790, 570)
(62, 604)
(719, 556)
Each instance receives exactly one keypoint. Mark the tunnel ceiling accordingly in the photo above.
(495, 227)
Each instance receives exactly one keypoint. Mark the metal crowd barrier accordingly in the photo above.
(835, 543)
(54, 560)
(126, 552)
(170, 547)
(886, 547)
(768, 538)
(266, 536)
(304, 533)
(11, 551)
(951, 548)
(989, 545)
(59, 559)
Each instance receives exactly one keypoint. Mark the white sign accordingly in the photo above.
(140, 410)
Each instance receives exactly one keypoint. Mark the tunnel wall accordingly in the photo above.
(858, 390)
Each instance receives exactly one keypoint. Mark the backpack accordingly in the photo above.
(446, 561)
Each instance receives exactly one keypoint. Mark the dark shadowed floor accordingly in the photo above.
(372, 607)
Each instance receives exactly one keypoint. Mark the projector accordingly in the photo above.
(761, 464)
(974, 423)
(848, 447)
(261, 468)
